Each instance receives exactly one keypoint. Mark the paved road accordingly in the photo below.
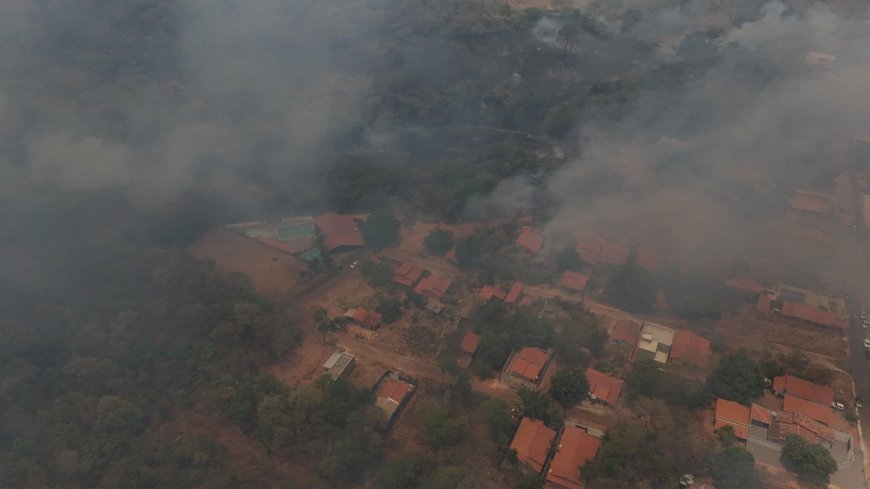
(852, 264)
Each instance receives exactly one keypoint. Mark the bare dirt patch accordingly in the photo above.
(304, 365)
(273, 274)
(745, 329)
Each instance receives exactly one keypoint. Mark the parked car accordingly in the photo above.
(858, 402)
(865, 325)
(854, 228)
(354, 264)
(866, 343)
(838, 405)
(862, 316)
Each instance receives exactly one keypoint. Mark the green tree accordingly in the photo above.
(734, 468)
(438, 430)
(390, 308)
(443, 477)
(631, 288)
(380, 230)
(326, 327)
(569, 386)
(737, 378)
(813, 463)
(438, 242)
(401, 473)
(569, 259)
(497, 415)
(648, 380)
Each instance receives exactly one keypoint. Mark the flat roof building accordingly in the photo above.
(339, 365)
(654, 343)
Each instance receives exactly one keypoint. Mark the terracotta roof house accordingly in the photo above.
(761, 415)
(603, 387)
(574, 449)
(574, 280)
(530, 239)
(735, 415)
(392, 395)
(599, 251)
(339, 231)
(488, 292)
(532, 443)
(624, 332)
(785, 423)
(526, 367)
(514, 294)
(407, 274)
(822, 414)
(804, 389)
(470, 343)
(364, 317)
(691, 348)
(434, 286)
(813, 315)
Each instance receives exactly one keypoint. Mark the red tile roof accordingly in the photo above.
(470, 342)
(338, 230)
(691, 348)
(812, 314)
(788, 423)
(575, 448)
(490, 291)
(528, 363)
(573, 280)
(798, 387)
(735, 415)
(532, 443)
(745, 285)
(514, 294)
(407, 274)
(599, 251)
(364, 317)
(434, 286)
(822, 414)
(394, 390)
(604, 387)
(530, 239)
(625, 331)
(761, 414)
(451, 255)
(764, 304)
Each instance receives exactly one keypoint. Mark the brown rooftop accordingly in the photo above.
(532, 443)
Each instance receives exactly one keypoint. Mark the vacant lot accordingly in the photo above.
(273, 274)
(746, 329)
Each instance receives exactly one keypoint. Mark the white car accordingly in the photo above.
(354, 264)
(838, 405)
(865, 325)
(866, 343)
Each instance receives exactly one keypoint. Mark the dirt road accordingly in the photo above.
(368, 353)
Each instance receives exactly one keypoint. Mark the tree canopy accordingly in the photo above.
(813, 463)
(734, 468)
(438, 242)
(380, 230)
(569, 386)
(738, 378)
